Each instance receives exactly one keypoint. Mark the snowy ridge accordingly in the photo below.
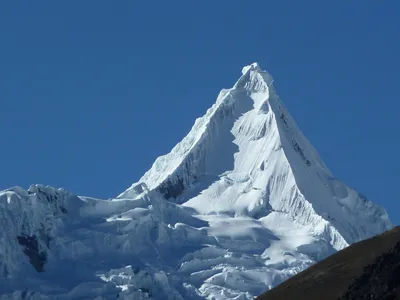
(242, 203)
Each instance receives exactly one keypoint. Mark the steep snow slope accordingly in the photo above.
(242, 203)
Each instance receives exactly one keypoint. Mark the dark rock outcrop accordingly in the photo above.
(31, 249)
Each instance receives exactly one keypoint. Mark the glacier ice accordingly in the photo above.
(242, 203)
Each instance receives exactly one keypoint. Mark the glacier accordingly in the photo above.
(242, 203)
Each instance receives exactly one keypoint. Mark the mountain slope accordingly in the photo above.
(241, 204)
(365, 270)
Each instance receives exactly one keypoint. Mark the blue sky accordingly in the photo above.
(91, 92)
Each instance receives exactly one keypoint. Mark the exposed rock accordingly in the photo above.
(31, 249)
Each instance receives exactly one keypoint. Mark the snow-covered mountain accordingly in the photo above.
(242, 203)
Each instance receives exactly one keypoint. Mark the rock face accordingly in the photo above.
(365, 270)
(241, 204)
(37, 258)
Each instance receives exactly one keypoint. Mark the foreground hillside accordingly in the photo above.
(366, 270)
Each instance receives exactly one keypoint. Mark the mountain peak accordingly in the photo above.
(248, 146)
(254, 79)
(245, 161)
(242, 203)
(252, 67)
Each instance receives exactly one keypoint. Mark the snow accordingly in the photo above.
(242, 203)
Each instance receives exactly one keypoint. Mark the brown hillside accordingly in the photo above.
(366, 270)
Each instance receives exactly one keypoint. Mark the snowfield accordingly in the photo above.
(242, 203)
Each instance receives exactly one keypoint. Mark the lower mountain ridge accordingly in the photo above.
(366, 270)
(241, 204)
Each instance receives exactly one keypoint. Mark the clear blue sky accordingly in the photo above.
(91, 92)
